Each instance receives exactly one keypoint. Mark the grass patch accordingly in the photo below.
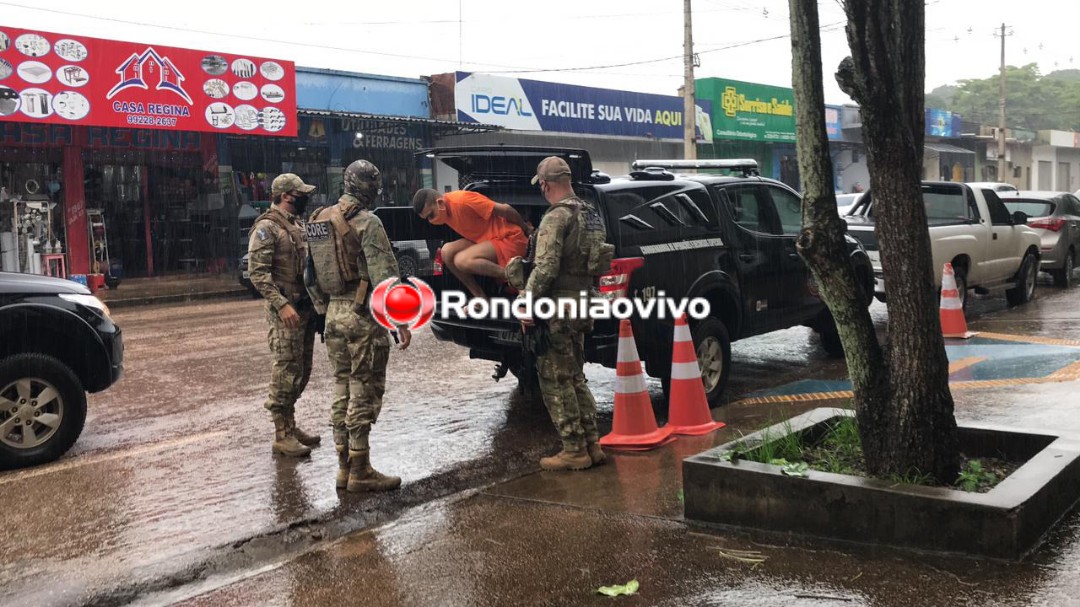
(839, 450)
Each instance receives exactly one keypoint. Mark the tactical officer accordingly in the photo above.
(349, 255)
(276, 254)
(570, 254)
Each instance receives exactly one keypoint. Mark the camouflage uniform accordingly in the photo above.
(347, 266)
(276, 253)
(561, 270)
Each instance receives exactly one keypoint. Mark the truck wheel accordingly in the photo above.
(1063, 278)
(830, 335)
(42, 410)
(713, 348)
(408, 264)
(1025, 282)
(528, 382)
(961, 285)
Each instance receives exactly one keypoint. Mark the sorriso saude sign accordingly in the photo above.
(749, 112)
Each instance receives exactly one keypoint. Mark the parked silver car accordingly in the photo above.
(844, 202)
(1056, 217)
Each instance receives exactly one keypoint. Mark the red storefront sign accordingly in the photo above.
(60, 79)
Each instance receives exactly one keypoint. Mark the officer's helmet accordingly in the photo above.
(362, 179)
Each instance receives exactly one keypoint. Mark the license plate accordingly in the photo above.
(246, 275)
(513, 337)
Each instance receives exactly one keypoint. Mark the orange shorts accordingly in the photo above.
(511, 246)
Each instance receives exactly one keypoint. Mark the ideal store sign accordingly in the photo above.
(529, 105)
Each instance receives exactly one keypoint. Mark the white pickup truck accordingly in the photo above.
(989, 248)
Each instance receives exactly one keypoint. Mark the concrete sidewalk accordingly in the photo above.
(554, 538)
(172, 289)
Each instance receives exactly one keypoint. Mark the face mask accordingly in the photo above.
(300, 203)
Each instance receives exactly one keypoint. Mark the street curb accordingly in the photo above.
(239, 293)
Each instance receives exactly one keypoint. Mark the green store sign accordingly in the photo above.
(749, 112)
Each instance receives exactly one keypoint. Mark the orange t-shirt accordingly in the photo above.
(471, 214)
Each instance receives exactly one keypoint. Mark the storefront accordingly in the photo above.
(110, 152)
(342, 117)
(752, 121)
(616, 127)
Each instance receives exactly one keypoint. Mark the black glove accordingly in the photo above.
(320, 326)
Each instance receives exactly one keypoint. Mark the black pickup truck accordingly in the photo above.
(57, 342)
(727, 238)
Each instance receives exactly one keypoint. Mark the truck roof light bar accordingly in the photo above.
(747, 166)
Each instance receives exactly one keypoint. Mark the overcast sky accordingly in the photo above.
(549, 40)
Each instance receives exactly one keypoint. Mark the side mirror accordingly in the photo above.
(1019, 218)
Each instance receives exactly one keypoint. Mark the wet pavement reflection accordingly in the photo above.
(173, 481)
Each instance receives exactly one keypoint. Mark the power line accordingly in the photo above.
(827, 27)
(243, 37)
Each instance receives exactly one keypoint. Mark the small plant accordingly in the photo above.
(974, 475)
(839, 450)
(912, 477)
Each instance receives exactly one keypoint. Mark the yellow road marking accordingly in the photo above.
(1030, 339)
(86, 460)
(964, 363)
(1069, 373)
(1073, 375)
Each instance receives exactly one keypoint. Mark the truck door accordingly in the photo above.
(1005, 253)
(759, 252)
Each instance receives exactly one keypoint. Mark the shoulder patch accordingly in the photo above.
(262, 234)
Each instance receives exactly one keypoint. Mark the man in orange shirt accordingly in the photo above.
(492, 233)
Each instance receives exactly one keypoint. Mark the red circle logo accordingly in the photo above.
(402, 303)
(408, 302)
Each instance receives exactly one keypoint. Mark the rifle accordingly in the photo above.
(534, 339)
(310, 282)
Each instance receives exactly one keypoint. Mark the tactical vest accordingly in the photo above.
(334, 248)
(288, 265)
(585, 253)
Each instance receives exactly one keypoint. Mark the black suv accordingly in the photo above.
(58, 343)
(728, 239)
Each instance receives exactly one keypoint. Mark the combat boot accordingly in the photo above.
(284, 442)
(596, 454)
(342, 479)
(362, 477)
(309, 440)
(567, 460)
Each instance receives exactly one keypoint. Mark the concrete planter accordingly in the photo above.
(1007, 522)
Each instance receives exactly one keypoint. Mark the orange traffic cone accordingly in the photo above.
(634, 425)
(952, 309)
(688, 409)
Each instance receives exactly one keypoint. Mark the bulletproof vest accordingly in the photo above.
(288, 265)
(335, 247)
(585, 253)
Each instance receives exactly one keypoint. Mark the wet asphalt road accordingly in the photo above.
(552, 539)
(173, 479)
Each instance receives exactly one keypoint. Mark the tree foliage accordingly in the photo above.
(1033, 101)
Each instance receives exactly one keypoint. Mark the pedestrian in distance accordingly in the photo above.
(276, 254)
(492, 233)
(570, 253)
(349, 255)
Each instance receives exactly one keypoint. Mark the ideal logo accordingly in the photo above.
(498, 104)
(139, 68)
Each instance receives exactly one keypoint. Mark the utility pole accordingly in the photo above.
(1001, 112)
(689, 113)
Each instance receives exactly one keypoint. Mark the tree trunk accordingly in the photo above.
(903, 404)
